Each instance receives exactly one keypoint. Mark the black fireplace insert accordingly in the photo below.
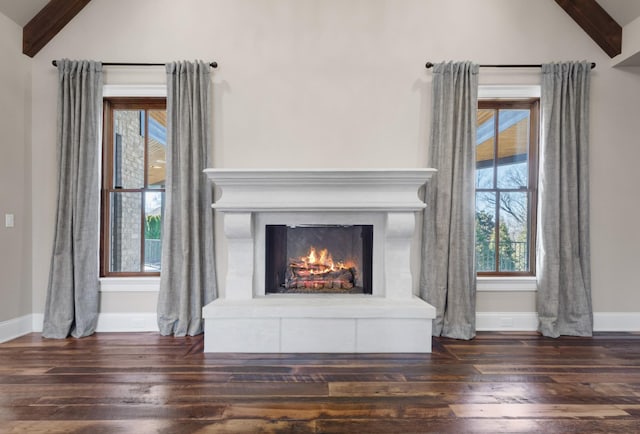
(319, 259)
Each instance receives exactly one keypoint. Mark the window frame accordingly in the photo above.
(532, 104)
(110, 104)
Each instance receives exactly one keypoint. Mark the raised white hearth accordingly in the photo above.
(246, 318)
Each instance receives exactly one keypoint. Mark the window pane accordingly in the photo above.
(128, 152)
(514, 233)
(485, 148)
(154, 211)
(125, 232)
(485, 231)
(157, 144)
(513, 148)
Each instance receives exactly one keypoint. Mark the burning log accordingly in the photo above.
(338, 279)
(319, 272)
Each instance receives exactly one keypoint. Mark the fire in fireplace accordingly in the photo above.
(319, 259)
(318, 270)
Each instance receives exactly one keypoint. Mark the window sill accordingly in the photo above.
(152, 284)
(129, 284)
(507, 283)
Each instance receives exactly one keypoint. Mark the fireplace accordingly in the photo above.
(318, 259)
(328, 269)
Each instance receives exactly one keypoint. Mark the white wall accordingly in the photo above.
(342, 83)
(15, 174)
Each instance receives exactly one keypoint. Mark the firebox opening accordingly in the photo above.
(324, 259)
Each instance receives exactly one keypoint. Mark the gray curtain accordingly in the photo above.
(72, 295)
(448, 277)
(187, 280)
(564, 270)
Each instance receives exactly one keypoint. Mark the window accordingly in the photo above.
(133, 182)
(506, 192)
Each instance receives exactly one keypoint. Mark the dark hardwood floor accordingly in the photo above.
(146, 383)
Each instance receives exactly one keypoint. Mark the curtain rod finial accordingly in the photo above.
(429, 65)
(214, 64)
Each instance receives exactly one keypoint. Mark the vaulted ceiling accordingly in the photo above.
(41, 20)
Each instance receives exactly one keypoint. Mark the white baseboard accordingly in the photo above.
(15, 328)
(38, 320)
(528, 321)
(118, 322)
(127, 322)
(616, 321)
(485, 321)
(506, 321)
(107, 322)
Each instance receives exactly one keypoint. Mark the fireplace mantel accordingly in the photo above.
(319, 189)
(247, 319)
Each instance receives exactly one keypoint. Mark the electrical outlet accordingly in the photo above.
(8, 220)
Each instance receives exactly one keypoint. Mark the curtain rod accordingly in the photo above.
(211, 64)
(431, 64)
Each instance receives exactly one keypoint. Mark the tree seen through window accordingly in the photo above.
(506, 173)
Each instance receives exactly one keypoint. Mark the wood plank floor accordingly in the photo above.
(146, 383)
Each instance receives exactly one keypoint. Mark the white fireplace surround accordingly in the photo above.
(246, 319)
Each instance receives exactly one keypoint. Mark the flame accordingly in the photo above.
(323, 259)
(318, 270)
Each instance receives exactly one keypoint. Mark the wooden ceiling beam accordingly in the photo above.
(47, 23)
(596, 22)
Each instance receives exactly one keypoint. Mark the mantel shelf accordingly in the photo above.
(319, 189)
